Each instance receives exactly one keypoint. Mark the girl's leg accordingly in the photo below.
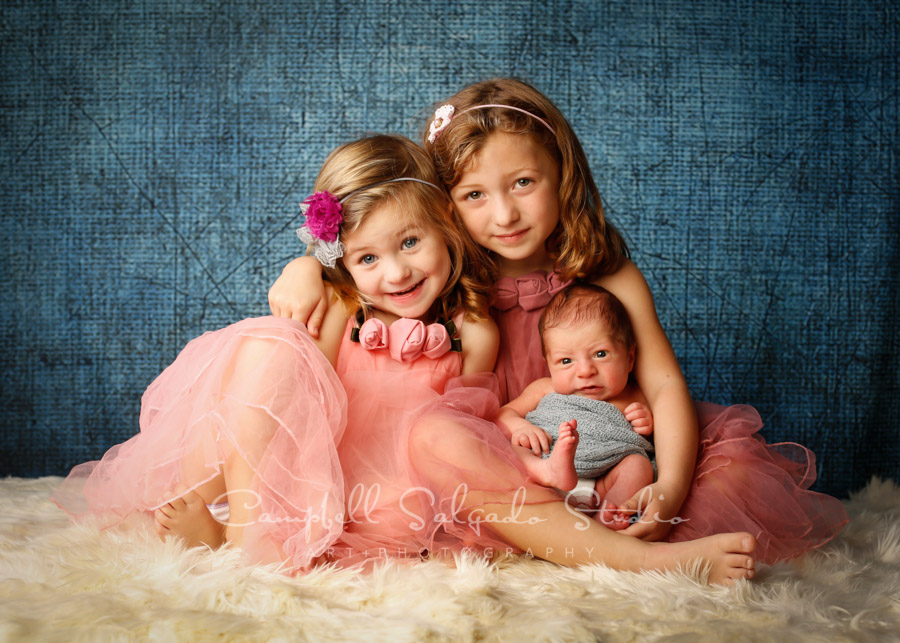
(188, 516)
(551, 531)
(444, 450)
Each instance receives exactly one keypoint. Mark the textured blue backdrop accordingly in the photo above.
(153, 153)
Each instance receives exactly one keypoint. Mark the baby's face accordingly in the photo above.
(585, 360)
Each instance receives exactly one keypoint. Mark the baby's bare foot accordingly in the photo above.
(730, 556)
(188, 517)
(558, 470)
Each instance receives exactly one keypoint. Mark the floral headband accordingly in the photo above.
(324, 214)
(445, 113)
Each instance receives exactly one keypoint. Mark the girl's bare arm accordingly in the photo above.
(660, 379)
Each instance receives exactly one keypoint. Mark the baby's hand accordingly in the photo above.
(533, 438)
(299, 293)
(640, 417)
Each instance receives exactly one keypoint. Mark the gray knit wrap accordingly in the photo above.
(605, 436)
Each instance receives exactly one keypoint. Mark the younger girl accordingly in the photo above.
(522, 187)
(253, 412)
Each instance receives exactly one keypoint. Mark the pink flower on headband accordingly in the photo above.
(324, 215)
(442, 117)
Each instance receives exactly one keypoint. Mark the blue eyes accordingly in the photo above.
(407, 244)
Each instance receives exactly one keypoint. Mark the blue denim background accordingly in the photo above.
(154, 152)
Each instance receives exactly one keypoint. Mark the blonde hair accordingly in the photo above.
(584, 244)
(587, 303)
(357, 172)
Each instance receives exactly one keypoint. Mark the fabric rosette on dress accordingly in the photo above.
(406, 339)
(517, 304)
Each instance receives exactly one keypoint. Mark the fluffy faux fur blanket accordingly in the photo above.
(62, 582)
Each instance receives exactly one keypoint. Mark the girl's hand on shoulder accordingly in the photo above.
(640, 417)
(299, 293)
(656, 508)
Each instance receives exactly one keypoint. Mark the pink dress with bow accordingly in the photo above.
(741, 483)
(386, 460)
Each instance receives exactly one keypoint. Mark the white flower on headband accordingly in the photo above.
(442, 117)
(327, 252)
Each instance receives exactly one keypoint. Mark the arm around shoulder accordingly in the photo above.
(656, 367)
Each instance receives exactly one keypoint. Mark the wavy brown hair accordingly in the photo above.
(584, 244)
(359, 170)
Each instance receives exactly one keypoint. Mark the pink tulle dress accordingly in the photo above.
(417, 454)
(386, 460)
(740, 483)
(260, 388)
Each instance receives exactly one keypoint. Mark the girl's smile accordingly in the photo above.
(400, 267)
(509, 200)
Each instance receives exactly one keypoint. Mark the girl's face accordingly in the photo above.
(509, 201)
(399, 266)
(585, 360)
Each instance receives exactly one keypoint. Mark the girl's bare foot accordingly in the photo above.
(558, 470)
(730, 556)
(190, 518)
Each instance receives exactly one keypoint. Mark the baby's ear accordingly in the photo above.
(631, 353)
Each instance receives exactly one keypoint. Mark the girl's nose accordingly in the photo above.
(395, 271)
(506, 211)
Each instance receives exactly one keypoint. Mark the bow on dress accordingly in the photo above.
(531, 291)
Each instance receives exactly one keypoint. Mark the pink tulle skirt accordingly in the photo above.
(389, 460)
(421, 459)
(259, 389)
(743, 484)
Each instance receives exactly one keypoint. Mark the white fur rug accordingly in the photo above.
(60, 582)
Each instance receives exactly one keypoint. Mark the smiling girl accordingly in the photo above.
(423, 472)
(522, 188)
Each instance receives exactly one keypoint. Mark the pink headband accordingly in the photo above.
(445, 113)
